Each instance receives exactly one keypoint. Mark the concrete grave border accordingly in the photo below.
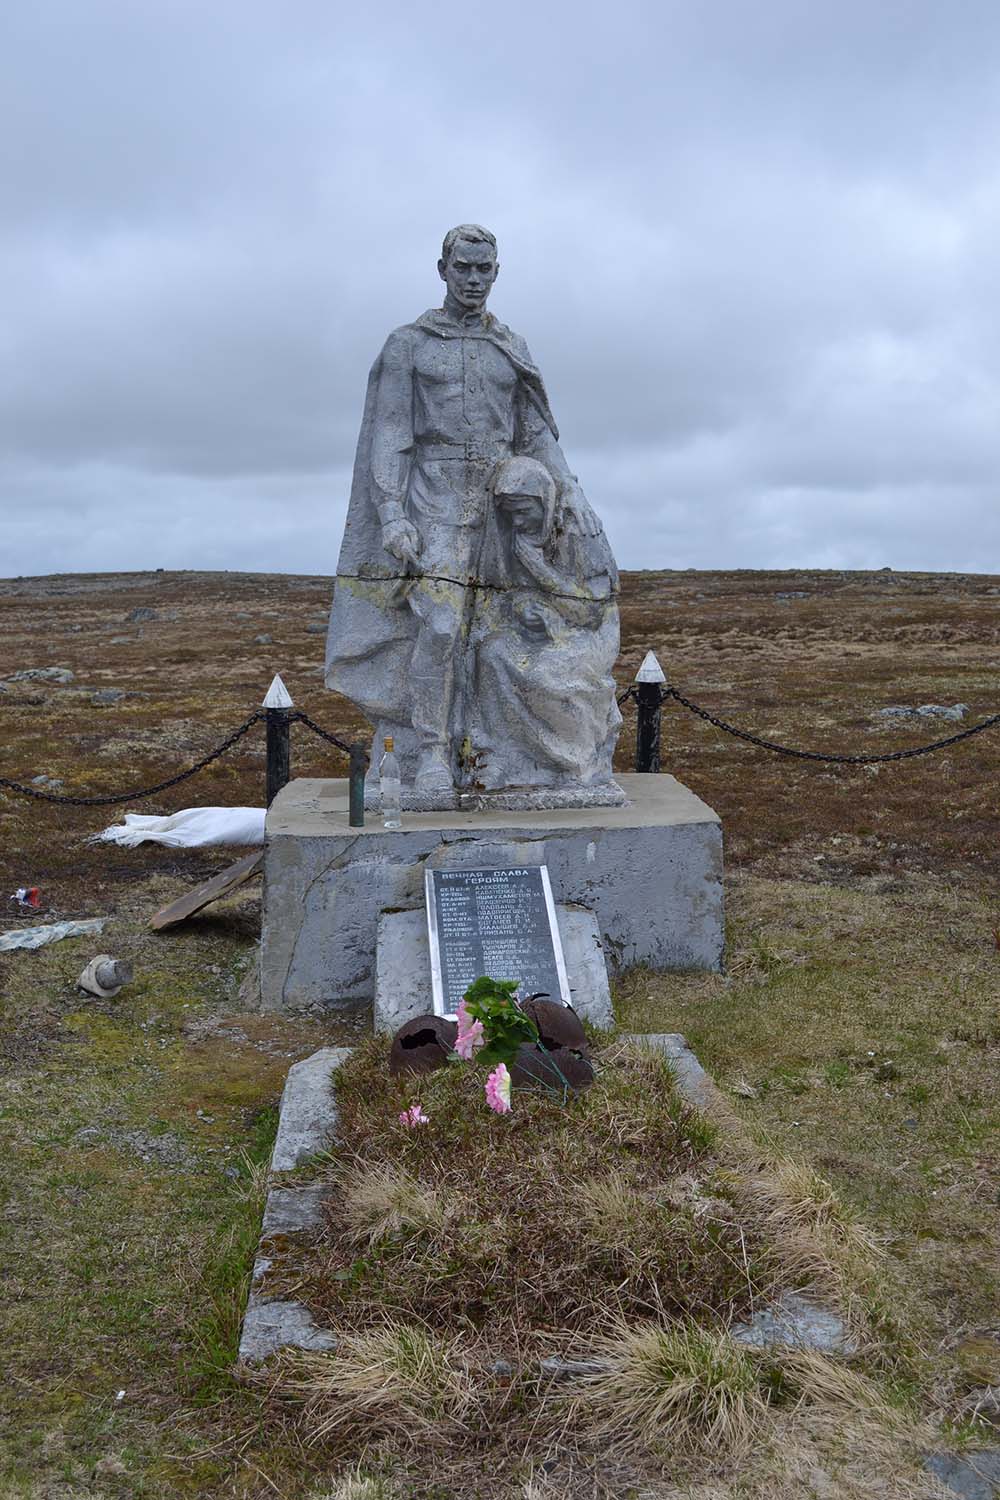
(307, 1124)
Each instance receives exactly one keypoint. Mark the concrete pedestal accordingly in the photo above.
(650, 872)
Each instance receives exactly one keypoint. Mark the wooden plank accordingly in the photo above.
(220, 885)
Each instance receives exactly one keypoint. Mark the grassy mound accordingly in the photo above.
(557, 1285)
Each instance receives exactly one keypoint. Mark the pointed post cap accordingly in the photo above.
(650, 671)
(278, 695)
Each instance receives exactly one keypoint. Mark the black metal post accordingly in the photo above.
(648, 701)
(356, 794)
(279, 751)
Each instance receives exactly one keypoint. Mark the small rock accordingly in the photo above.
(104, 697)
(502, 1367)
(262, 640)
(571, 1369)
(140, 614)
(974, 1477)
(953, 715)
(121, 640)
(316, 627)
(88, 1133)
(53, 783)
(232, 1173)
(792, 1322)
(794, 594)
(43, 674)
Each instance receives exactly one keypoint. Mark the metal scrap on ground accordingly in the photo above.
(220, 885)
(53, 932)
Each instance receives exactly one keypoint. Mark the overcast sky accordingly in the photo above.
(754, 246)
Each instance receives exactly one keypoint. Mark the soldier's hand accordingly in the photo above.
(402, 541)
(577, 514)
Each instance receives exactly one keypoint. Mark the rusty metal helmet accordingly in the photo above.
(558, 1024)
(551, 1068)
(423, 1044)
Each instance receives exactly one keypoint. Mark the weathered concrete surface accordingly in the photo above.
(291, 1210)
(403, 968)
(308, 1116)
(693, 1082)
(270, 1326)
(650, 872)
(307, 1123)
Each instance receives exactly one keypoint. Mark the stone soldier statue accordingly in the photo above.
(451, 396)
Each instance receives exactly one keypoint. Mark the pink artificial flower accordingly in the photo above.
(498, 1090)
(470, 1033)
(413, 1116)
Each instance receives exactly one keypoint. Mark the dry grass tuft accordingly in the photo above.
(357, 1485)
(397, 1377)
(671, 1387)
(817, 1238)
(382, 1202)
(832, 1386)
(611, 1208)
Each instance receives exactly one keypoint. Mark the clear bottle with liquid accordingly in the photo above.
(389, 786)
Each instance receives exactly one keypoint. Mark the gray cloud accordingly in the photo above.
(752, 248)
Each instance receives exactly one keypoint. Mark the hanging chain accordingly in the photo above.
(843, 760)
(301, 718)
(146, 791)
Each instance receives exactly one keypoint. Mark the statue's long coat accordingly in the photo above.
(371, 633)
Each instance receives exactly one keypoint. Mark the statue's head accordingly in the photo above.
(469, 265)
(524, 492)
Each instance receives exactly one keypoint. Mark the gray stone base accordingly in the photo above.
(524, 799)
(651, 872)
(403, 967)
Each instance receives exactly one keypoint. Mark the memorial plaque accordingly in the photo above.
(501, 923)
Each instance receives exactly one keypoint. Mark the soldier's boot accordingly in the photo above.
(431, 710)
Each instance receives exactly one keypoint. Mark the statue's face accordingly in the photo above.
(469, 273)
(526, 514)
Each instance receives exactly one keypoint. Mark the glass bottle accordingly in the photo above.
(389, 786)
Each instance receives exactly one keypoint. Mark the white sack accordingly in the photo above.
(193, 828)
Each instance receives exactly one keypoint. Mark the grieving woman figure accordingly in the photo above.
(544, 641)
